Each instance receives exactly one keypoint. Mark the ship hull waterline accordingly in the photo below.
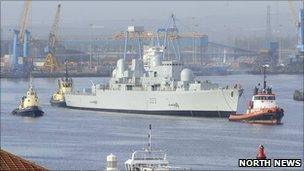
(211, 103)
(58, 103)
(33, 111)
(219, 114)
(272, 118)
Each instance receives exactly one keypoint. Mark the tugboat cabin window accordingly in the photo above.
(264, 98)
(129, 87)
(271, 97)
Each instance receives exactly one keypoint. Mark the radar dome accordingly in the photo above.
(187, 75)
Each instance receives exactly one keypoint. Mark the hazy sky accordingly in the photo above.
(79, 13)
(75, 11)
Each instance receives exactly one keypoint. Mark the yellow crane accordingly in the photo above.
(51, 63)
(143, 35)
(150, 34)
(24, 20)
(294, 13)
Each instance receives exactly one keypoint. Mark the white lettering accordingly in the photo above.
(242, 163)
(287, 162)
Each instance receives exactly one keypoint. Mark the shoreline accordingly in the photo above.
(75, 75)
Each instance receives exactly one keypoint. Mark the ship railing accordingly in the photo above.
(103, 87)
(267, 108)
(149, 155)
(80, 93)
(175, 168)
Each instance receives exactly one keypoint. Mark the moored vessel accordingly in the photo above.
(298, 95)
(64, 85)
(29, 104)
(262, 108)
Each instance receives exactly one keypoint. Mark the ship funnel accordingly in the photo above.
(137, 67)
(120, 68)
(156, 60)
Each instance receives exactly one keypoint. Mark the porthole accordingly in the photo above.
(155, 74)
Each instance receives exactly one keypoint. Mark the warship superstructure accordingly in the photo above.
(160, 86)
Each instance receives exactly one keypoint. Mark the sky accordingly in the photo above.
(210, 16)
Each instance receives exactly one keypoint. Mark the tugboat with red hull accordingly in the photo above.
(262, 107)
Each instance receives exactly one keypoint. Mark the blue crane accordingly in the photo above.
(300, 45)
(20, 50)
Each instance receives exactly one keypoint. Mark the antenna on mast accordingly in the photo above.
(31, 80)
(264, 73)
(150, 138)
(66, 70)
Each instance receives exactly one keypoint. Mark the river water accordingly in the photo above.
(69, 139)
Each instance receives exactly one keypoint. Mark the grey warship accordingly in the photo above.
(154, 84)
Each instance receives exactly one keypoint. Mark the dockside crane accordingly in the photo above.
(21, 40)
(170, 39)
(299, 24)
(51, 63)
(300, 46)
(24, 20)
(292, 10)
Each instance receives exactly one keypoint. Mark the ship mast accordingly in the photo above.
(66, 70)
(31, 81)
(150, 138)
(264, 78)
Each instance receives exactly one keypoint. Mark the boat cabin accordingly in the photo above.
(262, 98)
(263, 101)
(147, 160)
(65, 84)
(30, 99)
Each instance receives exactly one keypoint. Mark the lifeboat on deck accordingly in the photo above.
(262, 108)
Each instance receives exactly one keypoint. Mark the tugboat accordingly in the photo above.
(29, 104)
(298, 95)
(147, 159)
(64, 85)
(262, 108)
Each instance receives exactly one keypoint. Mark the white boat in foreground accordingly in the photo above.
(148, 159)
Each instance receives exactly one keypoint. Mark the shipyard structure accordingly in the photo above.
(96, 54)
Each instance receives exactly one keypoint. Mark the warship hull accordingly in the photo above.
(205, 103)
